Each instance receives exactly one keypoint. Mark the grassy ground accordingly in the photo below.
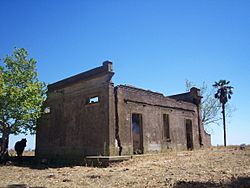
(12, 153)
(214, 167)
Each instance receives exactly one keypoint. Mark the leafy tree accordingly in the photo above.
(21, 97)
(224, 92)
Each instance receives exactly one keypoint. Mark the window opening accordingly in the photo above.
(166, 127)
(47, 110)
(93, 100)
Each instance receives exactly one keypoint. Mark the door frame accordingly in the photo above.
(189, 134)
(141, 148)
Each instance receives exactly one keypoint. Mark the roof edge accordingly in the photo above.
(106, 68)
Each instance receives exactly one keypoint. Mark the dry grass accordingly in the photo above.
(214, 167)
(25, 153)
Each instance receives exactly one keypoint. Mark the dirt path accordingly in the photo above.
(216, 167)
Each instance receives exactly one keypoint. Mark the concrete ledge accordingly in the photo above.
(105, 160)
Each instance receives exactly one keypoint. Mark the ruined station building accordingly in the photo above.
(87, 115)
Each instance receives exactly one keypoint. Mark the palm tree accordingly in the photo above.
(224, 92)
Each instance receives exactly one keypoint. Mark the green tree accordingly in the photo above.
(224, 92)
(21, 97)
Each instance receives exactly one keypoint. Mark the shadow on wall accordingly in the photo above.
(235, 182)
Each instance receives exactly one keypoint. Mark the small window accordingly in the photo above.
(47, 110)
(92, 100)
(166, 127)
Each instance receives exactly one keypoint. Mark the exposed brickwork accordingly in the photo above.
(75, 127)
(152, 106)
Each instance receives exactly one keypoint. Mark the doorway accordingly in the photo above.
(137, 133)
(189, 134)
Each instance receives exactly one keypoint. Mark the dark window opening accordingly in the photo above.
(92, 100)
(166, 127)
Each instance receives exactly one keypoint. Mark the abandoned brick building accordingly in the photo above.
(87, 115)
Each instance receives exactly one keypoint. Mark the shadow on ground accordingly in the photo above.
(33, 163)
(240, 182)
(21, 186)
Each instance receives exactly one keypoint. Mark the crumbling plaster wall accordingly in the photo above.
(195, 97)
(152, 106)
(74, 128)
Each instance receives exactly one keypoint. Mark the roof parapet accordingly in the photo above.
(108, 65)
(106, 68)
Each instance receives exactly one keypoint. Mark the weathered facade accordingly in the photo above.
(87, 115)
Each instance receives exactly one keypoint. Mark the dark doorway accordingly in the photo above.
(189, 134)
(166, 132)
(137, 133)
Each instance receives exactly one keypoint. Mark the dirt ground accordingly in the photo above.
(214, 167)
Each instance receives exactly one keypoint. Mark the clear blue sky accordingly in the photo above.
(154, 44)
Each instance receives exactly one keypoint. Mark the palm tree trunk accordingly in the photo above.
(224, 124)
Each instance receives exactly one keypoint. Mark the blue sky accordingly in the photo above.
(154, 44)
